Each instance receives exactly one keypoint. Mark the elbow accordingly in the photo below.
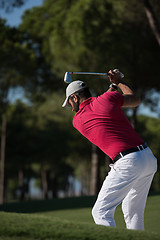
(137, 101)
(131, 101)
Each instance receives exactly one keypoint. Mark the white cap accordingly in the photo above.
(72, 88)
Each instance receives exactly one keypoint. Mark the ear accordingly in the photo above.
(75, 98)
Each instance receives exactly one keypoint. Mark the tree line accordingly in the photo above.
(37, 137)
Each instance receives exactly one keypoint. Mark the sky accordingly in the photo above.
(14, 18)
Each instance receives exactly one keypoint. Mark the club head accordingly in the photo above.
(67, 77)
(121, 74)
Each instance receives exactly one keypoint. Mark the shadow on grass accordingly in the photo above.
(35, 206)
(49, 205)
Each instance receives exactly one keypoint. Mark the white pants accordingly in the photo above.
(128, 182)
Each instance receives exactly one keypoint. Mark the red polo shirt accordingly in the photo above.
(103, 123)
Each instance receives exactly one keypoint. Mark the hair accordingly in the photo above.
(84, 93)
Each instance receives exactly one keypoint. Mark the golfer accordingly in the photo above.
(101, 120)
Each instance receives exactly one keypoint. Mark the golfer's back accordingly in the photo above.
(102, 121)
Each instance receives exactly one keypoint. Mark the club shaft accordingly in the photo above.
(89, 73)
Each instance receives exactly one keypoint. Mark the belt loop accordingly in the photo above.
(139, 148)
(121, 154)
(142, 147)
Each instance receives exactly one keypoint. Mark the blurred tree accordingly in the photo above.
(12, 57)
(37, 150)
(53, 131)
(97, 36)
(152, 18)
(88, 35)
(19, 66)
(19, 150)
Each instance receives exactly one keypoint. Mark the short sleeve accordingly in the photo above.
(114, 97)
(117, 98)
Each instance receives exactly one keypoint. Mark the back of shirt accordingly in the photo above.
(102, 122)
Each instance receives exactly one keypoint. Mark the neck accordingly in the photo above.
(82, 100)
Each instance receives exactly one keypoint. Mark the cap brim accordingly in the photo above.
(66, 104)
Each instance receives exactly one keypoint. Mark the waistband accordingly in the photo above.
(131, 150)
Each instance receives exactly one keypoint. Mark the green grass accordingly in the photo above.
(30, 226)
(71, 222)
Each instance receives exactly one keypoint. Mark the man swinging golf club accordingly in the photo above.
(101, 120)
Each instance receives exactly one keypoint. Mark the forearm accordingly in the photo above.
(126, 90)
(130, 98)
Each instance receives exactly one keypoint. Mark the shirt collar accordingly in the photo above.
(85, 102)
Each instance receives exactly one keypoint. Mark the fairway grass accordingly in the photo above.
(151, 218)
(70, 222)
(29, 226)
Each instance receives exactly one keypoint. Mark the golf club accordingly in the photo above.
(68, 77)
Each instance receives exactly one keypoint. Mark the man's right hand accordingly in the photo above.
(114, 76)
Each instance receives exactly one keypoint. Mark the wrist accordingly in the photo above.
(114, 86)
